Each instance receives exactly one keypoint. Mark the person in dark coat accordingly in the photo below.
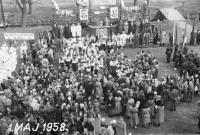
(141, 39)
(20, 113)
(174, 98)
(198, 37)
(66, 31)
(111, 105)
(166, 95)
(88, 85)
(136, 40)
(34, 53)
(192, 38)
(124, 103)
(171, 38)
(58, 114)
(155, 38)
(175, 50)
(176, 59)
(185, 49)
(120, 27)
(168, 53)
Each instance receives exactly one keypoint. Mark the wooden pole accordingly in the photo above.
(3, 17)
(90, 11)
(121, 11)
(77, 13)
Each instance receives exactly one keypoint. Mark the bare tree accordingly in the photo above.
(33, 3)
(22, 7)
(135, 2)
(30, 4)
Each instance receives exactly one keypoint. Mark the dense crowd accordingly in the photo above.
(92, 77)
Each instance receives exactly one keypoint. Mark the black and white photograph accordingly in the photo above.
(99, 67)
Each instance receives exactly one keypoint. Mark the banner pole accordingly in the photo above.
(3, 17)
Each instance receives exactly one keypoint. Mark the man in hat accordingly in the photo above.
(66, 31)
(192, 38)
(20, 114)
(173, 99)
(198, 37)
(168, 53)
(176, 59)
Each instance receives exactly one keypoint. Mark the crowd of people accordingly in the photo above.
(92, 77)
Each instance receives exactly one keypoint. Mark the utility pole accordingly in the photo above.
(77, 12)
(90, 11)
(3, 17)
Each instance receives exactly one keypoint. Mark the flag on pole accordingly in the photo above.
(55, 5)
(176, 37)
(174, 32)
(83, 3)
(122, 4)
(185, 34)
(194, 24)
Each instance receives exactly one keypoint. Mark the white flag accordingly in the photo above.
(83, 2)
(122, 4)
(174, 33)
(55, 5)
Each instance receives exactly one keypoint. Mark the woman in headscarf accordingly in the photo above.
(165, 95)
(96, 106)
(134, 116)
(131, 101)
(159, 113)
(98, 88)
(121, 127)
(146, 115)
(118, 105)
(150, 104)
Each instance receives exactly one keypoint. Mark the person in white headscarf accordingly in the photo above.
(73, 30)
(79, 30)
(110, 129)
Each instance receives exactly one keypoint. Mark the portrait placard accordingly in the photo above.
(114, 12)
(83, 14)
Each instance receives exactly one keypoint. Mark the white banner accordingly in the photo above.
(114, 12)
(98, 2)
(19, 36)
(104, 2)
(83, 14)
(70, 12)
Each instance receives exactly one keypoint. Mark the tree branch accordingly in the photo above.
(19, 5)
